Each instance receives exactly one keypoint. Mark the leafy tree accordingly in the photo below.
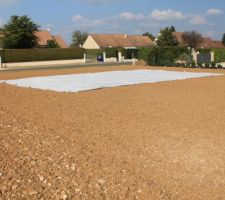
(52, 44)
(166, 38)
(78, 38)
(173, 29)
(192, 39)
(18, 33)
(152, 37)
(223, 39)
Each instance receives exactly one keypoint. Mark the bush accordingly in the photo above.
(111, 52)
(93, 51)
(152, 57)
(219, 55)
(165, 56)
(143, 53)
(207, 65)
(204, 50)
(188, 64)
(193, 64)
(213, 64)
(200, 64)
(26, 55)
(219, 66)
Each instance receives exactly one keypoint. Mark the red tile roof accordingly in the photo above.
(206, 42)
(59, 40)
(120, 40)
(44, 36)
(209, 43)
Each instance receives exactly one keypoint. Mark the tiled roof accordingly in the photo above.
(209, 43)
(44, 36)
(178, 36)
(59, 40)
(119, 40)
(206, 42)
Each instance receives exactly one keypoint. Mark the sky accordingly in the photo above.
(120, 16)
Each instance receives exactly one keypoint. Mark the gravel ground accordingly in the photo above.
(150, 141)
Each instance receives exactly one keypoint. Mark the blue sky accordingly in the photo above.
(120, 16)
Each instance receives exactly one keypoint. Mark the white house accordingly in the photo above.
(129, 42)
(99, 41)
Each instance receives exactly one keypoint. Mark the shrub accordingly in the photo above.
(200, 64)
(188, 64)
(93, 51)
(143, 53)
(182, 65)
(111, 52)
(219, 55)
(26, 55)
(213, 64)
(219, 66)
(207, 65)
(204, 50)
(163, 56)
(152, 57)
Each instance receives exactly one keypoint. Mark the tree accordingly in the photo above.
(78, 38)
(166, 38)
(192, 39)
(223, 39)
(18, 33)
(173, 29)
(52, 44)
(152, 37)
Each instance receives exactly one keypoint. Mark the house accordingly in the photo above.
(206, 43)
(44, 37)
(101, 41)
(119, 41)
(59, 40)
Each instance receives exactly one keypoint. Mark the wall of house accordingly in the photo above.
(90, 43)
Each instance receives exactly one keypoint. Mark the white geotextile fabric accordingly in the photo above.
(90, 81)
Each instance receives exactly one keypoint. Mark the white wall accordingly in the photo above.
(90, 43)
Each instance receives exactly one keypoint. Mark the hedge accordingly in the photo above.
(204, 50)
(143, 53)
(26, 55)
(162, 56)
(111, 52)
(93, 51)
(219, 55)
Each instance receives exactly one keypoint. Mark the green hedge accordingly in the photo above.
(204, 50)
(219, 55)
(143, 53)
(26, 55)
(93, 51)
(162, 56)
(111, 52)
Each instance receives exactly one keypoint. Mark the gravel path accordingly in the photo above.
(151, 141)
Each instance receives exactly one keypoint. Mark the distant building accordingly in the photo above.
(206, 43)
(99, 41)
(44, 37)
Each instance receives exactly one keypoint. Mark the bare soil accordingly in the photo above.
(150, 141)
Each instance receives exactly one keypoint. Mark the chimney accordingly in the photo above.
(126, 36)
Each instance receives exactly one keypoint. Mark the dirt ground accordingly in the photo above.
(150, 141)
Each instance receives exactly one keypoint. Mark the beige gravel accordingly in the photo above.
(150, 141)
